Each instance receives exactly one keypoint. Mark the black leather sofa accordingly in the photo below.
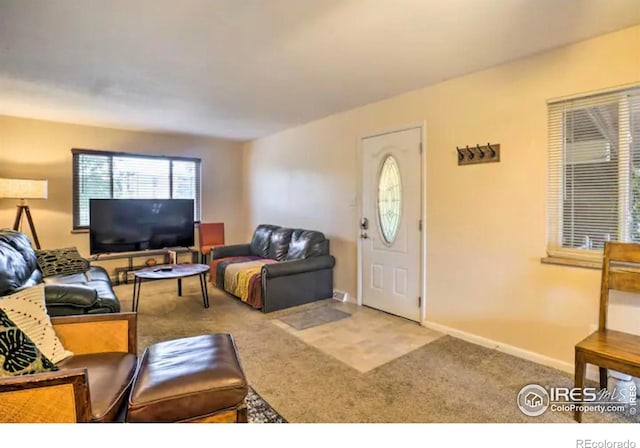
(85, 293)
(304, 269)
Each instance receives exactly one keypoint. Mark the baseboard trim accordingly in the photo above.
(592, 371)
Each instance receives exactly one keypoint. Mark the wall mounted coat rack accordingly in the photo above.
(469, 155)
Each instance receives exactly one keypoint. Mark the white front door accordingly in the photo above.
(390, 227)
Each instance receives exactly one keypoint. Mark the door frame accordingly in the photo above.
(423, 209)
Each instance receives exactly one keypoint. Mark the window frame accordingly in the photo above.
(557, 152)
(76, 152)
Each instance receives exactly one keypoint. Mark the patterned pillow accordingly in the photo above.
(26, 308)
(18, 354)
(63, 261)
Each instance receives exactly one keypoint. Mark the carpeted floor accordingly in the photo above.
(447, 380)
(259, 411)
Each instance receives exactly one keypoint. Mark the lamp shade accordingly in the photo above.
(23, 188)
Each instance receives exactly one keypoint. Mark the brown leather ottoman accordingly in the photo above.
(197, 379)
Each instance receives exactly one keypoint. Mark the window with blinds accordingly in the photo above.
(594, 173)
(110, 175)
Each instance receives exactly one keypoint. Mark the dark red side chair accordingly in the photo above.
(211, 235)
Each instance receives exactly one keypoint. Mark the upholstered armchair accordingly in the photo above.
(91, 386)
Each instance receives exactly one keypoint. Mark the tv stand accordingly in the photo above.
(124, 270)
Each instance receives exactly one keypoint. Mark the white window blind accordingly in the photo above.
(594, 173)
(109, 175)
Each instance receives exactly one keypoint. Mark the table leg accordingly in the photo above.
(206, 287)
(133, 299)
(203, 288)
(179, 287)
(137, 296)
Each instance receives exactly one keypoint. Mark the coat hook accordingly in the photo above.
(480, 150)
(471, 154)
(460, 154)
(493, 153)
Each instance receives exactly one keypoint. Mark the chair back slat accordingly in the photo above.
(624, 281)
(211, 233)
(622, 252)
(619, 278)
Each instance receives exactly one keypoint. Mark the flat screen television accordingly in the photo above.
(129, 225)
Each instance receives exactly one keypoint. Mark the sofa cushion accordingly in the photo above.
(79, 296)
(21, 244)
(279, 246)
(96, 278)
(17, 261)
(19, 354)
(35, 279)
(66, 260)
(307, 243)
(95, 273)
(110, 377)
(27, 309)
(262, 240)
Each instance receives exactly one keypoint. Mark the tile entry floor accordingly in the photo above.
(367, 339)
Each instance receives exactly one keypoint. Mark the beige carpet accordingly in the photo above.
(447, 380)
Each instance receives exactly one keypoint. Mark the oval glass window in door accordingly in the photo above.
(389, 199)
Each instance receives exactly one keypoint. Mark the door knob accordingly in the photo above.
(364, 236)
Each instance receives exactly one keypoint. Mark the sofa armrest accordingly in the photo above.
(97, 333)
(50, 397)
(77, 296)
(237, 250)
(298, 266)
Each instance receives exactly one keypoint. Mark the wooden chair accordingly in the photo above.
(92, 386)
(211, 234)
(610, 349)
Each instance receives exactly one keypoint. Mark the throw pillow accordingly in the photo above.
(26, 308)
(18, 354)
(63, 261)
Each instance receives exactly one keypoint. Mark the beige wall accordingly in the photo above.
(42, 149)
(485, 224)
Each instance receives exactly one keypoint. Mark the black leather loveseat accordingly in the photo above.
(88, 292)
(280, 268)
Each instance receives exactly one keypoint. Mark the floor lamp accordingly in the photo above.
(24, 189)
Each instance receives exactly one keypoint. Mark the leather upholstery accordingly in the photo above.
(70, 295)
(235, 250)
(186, 379)
(19, 269)
(110, 377)
(297, 289)
(305, 269)
(206, 248)
(17, 261)
(95, 274)
(307, 243)
(95, 278)
(35, 279)
(298, 266)
(279, 245)
(262, 240)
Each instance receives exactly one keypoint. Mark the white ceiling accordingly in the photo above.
(247, 68)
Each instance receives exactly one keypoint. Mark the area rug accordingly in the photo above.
(314, 317)
(259, 411)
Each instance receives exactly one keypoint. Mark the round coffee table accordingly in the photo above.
(169, 271)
